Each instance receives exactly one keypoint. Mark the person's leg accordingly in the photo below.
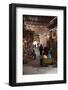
(41, 62)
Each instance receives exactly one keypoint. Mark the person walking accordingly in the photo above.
(41, 54)
(37, 53)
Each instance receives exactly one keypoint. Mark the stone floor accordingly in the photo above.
(39, 70)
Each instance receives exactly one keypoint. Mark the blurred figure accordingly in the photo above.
(46, 50)
(34, 55)
(41, 49)
(41, 54)
(47, 47)
(37, 53)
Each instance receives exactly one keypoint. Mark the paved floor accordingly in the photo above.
(39, 70)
